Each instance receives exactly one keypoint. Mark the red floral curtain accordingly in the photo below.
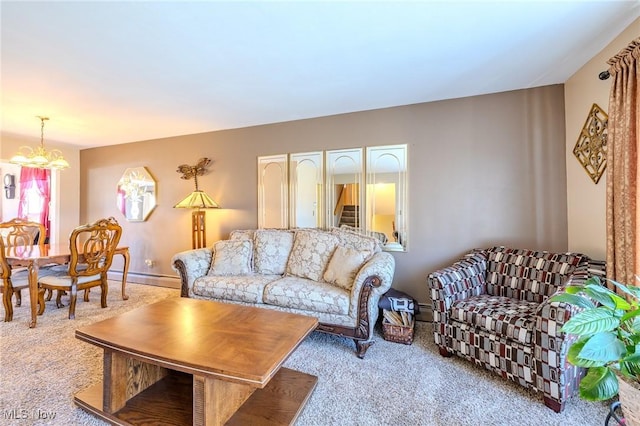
(32, 178)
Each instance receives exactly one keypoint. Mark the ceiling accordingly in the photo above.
(116, 72)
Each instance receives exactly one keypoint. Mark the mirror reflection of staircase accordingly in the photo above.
(347, 210)
(349, 216)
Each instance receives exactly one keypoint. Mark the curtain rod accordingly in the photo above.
(604, 75)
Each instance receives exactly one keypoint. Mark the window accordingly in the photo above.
(35, 195)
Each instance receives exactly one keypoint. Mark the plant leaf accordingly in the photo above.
(593, 279)
(635, 327)
(630, 369)
(635, 358)
(621, 302)
(591, 322)
(573, 289)
(630, 314)
(601, 294)
(574, 359)
(635, 291)
(630, 290)
(572, 299)
(603, 347)
(599, 384)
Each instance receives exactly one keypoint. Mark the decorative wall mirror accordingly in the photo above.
(136, 194)
(344, 184)
(306, 186)
(386, 195)
(273, 187)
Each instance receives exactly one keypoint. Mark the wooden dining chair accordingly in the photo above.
(21, 233)
(12, 282)
(92, 247)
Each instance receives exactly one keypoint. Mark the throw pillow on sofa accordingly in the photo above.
(231, 257)
(310, 254)
(351, 238)
(272, 248)
(344, 265)
(242, 234)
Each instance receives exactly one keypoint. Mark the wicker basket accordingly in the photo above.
(629, 395)
(397, 333)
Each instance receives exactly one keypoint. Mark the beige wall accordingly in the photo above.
(483, 171)
(586, 202)
(65, 215)
(8, 206)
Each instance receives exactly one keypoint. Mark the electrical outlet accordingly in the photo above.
(149, 262)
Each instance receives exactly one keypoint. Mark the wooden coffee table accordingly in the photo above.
(187, 361)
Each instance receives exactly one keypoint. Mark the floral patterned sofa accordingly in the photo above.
(492, 308)
(336, 276)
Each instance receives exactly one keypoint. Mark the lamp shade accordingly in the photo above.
(197, 200)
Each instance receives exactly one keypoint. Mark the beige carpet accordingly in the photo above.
(41, 369)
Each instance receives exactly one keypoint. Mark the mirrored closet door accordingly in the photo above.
(273, 188)
(386, 195)
(345, 183)
(326, 189)
(306, 186)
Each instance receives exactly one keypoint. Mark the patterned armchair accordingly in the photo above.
(491, 307)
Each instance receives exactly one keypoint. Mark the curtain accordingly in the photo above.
(39, 179)
(623, 204)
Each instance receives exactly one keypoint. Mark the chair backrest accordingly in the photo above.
(92, 247)
(527, 274)
(5, 270)
(20, 232)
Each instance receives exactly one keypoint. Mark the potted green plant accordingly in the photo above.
(608, 342)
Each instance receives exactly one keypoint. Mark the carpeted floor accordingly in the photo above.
(41, 369)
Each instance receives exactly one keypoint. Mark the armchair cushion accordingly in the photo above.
(501, 316)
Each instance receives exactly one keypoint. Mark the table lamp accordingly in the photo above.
(197, 200)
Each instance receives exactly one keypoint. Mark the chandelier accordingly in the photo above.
(39, 157)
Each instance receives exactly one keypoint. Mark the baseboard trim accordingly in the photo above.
(149, 279)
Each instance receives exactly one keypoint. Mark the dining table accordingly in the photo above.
(36, 256)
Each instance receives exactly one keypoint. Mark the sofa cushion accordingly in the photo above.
(231, 257)
(310, 254)
(344, 265)
(348, 237)
(271, 250)
(301, 293)
(502, 316)
(243, 288)
(242, 234)
(527, 274)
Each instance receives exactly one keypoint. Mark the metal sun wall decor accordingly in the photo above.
(591, 147)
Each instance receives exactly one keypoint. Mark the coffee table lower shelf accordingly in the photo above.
(170, 401)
